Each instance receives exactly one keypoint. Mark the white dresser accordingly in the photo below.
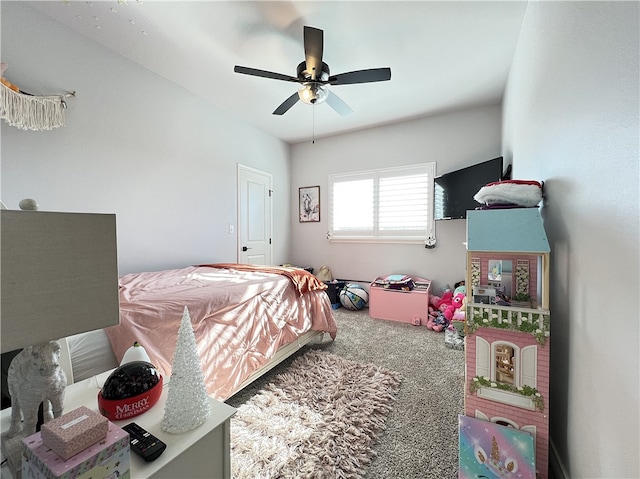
(203, 452)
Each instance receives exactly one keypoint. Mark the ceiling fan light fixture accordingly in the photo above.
(313, 93)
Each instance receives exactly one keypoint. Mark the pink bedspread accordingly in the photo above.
(302, 280)
(240, 319)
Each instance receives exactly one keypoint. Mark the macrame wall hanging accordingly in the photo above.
(30, 112)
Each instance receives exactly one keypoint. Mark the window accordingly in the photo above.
(385, 205)
(506, 363)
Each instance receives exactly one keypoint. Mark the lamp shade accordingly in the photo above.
(58, 275)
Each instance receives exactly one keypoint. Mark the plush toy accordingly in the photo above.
(437, 306)
(460, 313)
(442, 309)
(460, 288)
(432, 318)
(440, 323)
(456, 303)
(458, 300)
(434, 302)
(445, 300)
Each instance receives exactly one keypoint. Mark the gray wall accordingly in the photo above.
(134, 144)
(453, 140)
(571, 119)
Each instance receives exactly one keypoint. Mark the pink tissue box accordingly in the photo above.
(73, 432)
(106, 459)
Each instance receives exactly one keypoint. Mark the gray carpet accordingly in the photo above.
(421, 437)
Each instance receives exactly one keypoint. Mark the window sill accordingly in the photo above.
(419, 241)
(506, 397)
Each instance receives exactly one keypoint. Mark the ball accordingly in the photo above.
(353, 296)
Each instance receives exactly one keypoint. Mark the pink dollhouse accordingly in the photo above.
(507, 325)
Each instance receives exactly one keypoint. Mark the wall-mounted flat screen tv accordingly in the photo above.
(453, 192)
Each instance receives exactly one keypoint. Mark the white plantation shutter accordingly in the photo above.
(404, 204)
(391, 204)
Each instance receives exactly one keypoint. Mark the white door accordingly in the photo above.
(254, 216)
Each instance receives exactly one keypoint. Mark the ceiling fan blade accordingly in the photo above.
(313, 46)
(361, 76)
(264, 74)
(288, 103)
(335, 102)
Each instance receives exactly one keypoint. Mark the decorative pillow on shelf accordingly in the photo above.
(521, 193)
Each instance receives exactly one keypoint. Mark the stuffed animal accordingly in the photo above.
(438, 306)
(460, 313)
(440, 323)
(460, 288)
(434, 303)
(434, 320)
(431, 321)
(445, 299)
(456, 303)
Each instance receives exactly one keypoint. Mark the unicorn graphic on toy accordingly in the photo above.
(510, 465)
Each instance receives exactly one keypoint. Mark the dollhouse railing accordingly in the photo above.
(526, 320)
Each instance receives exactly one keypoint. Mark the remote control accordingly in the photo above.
(143, 443)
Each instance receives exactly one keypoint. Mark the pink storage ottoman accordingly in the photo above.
(405, 306)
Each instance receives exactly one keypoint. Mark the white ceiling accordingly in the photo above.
(443, 55)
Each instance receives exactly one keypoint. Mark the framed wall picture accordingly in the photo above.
(309, 204)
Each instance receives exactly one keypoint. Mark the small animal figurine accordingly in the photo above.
(35, 377)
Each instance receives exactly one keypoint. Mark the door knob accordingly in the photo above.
(244, 248)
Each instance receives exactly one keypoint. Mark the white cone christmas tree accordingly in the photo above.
(187, 405)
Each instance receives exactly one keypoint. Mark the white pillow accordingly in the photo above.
(518, 192)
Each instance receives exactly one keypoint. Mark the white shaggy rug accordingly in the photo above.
(318, 419)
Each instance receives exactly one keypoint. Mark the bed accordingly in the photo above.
(246, 319)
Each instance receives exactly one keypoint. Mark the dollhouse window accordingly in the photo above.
(505, 362)
(503, 421)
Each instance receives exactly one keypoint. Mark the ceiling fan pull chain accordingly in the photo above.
(313, 126)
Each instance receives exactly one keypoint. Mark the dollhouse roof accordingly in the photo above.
(517, 230)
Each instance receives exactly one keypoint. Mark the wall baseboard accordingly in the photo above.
(556, 468)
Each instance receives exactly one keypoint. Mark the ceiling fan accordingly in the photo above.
(313, 74)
